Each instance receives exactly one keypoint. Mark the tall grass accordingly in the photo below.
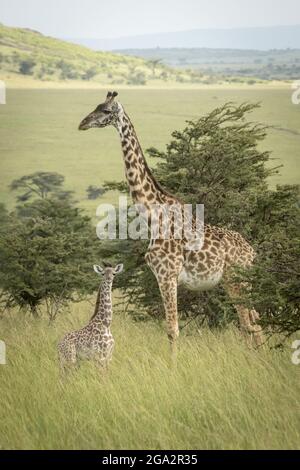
(220, 396)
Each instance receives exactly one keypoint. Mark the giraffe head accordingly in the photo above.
(105, 114)
(108, 271)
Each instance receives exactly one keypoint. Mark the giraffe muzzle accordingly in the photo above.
(83, 126)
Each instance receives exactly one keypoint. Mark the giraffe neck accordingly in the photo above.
(103, 308)
(144, 189)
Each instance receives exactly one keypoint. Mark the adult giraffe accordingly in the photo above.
(170, 261)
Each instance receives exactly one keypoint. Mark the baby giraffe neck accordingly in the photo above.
(103, 308)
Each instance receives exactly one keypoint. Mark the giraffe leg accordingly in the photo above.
(258, 333)
(248, 319)
(168, 290)
(167, 282)
(166, 272)
(102, 364)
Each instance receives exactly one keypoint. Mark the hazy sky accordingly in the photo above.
(114, 18)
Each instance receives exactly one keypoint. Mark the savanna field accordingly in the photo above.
(221, 395)
(39, 131)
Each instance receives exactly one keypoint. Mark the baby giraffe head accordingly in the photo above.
(105, 114)
(108, 272)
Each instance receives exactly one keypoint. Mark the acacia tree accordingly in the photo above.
(41, 184)
(217, 161)
(93, 192)
(47, 248)
(153, 64)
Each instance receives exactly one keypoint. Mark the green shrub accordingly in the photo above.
(47, 248)
(26, 66)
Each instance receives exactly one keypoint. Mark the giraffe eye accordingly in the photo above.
(106, 111)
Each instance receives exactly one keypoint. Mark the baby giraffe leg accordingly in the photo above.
(67, 357)
(102, 366)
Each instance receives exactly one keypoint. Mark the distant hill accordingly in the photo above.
(28, 52)
(263, 38)
(24, 52)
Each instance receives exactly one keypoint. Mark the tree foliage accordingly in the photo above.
(275, 277)
(93, 192)
(40, 184)
(26, 66)
(47, 249)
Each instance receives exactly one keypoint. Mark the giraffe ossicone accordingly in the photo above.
(95, 340)
(170, 262)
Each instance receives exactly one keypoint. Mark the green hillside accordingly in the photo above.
(28, 52)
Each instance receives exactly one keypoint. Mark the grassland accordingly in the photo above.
(220, 396)
(39, 131)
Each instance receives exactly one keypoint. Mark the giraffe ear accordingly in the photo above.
(98, 269)
(111, 96)
(119, 268)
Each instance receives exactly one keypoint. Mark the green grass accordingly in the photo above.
(221, 395)
(39, 132)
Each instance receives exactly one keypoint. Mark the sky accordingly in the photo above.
(117, 18)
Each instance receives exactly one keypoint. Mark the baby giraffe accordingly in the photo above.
(95, 340)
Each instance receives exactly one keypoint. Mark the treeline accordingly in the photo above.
(229, 64)
(48, 245)
(42, 69)
(122, 72)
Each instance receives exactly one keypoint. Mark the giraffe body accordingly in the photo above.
(95, 340)
(170, 261)
(204, 269)
(196, 281)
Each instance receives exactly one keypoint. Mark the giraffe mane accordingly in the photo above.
(157, 185)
